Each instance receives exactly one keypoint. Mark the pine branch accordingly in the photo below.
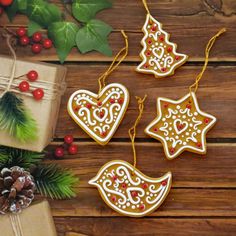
(54, 182)
(10, 157)
(15, 119)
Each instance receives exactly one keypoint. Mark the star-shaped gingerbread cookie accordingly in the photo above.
(181, 126)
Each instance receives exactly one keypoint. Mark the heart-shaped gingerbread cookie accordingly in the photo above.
(99, 115)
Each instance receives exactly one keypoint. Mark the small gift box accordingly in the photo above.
(35, 220)
(51, 79)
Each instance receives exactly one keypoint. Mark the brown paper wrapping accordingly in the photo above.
(45, 112)
(35, 220)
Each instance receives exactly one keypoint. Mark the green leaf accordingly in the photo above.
(54, 182)
(33, 27)
(63, 36)
(16, 6)
(43, 12)
(10, 157)
(85, 10)
(93, 36)
(16, 119)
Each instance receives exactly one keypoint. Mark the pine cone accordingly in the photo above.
(16, 189)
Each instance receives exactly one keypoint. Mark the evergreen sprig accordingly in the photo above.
(10, 157)
(54, 182)
(16, 119)
(51, 180)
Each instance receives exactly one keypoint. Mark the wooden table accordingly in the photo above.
(202, 200)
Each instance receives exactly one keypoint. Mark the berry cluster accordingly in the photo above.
(67, 146)
(24, 85)
(37, 41)
(4, 3)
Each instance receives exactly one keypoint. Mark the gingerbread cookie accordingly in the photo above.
(159, 56)
(99, 115)
(128, 191)
(181, 126)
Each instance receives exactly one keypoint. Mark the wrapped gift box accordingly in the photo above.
(45, 112)
(35, 220)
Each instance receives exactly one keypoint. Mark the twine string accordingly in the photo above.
(16, 225)
(11, 83)
(132, 130)
(114, 65)
(146, 6)
(210, 44)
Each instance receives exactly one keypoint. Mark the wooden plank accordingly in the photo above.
(215, 169)
(179, 203)
(185, 20)
(221, 52)
(162, 227)
(216, 95)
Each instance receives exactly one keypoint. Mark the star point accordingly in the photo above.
(181, 126)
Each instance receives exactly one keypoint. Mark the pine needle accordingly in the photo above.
(15, 119)
(10, 157)
(54, 182)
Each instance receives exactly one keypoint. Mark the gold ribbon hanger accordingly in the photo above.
(194, 86)
(114, 65)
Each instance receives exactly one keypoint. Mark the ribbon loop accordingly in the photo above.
(113, 66)
(11, 83)
(210, 44)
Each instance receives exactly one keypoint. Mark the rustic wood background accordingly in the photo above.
(202, 200)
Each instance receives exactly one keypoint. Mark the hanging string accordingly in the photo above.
(146, 6)
(132, 130)
(210, 44)
(113, 66)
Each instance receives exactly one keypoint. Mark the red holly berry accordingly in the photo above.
(47, 43)
(112, 100)
(68, 139)
(188, 106)
(99, 103)
(6, 3)
(37, 37)
(164, 183)
(199, 144)
(169, 49)
(1, 11)
(177, 58)
(59, 152)
(142, 207)
(101, 115)
(121, 100)
(134, 194)
(161, 38)
(36, 48)
(166, 105)
(155, 129)
(206, 120)
(24, 40)
(24, 86)
(163, 69)
(154, 28)
(88, 105)
(73, 149)
(114, 177)
(124, 185)
(32, 75)
(104, 134)
(38, 94)
(145, 186)
(113, 198)
(21, 31)
(172, 150)
(148, 53)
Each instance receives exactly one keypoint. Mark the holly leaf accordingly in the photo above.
(63, 36)
(16, 6)
(93, 36)
(33, 27)
(85, 10)
(43, 13)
